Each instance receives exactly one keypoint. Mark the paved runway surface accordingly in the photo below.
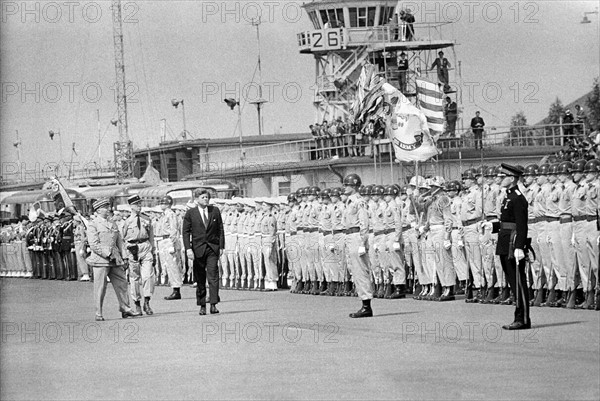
(286, 346)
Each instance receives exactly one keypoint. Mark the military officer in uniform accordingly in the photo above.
(512, 244)
(139, 248)
(167, 238)
(356, 222)
(459, 259)
(394, 263)
(292, 247)
(268, 229)
(106, 244)
(471, 214)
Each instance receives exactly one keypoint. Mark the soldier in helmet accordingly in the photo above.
(302, 216)
(268, 227)
(542, 226)
(580, 227)
(568, 188)
(491, 269)
(591, 170)
(439, 242)
(339, 275)
(326, 244)
(557, 296)
(512, 244)
(356, 221)
(378, 253)
(311, 241)
(459, 259)
(256, 245)
(169, 246)
(139, 249)
(292, 250)
(394, 262)
(531, 190)
(471, 214)
(245, 264)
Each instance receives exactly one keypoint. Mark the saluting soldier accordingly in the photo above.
(249, 249)
(67, 247)
(512, 244)
(106, 244)
(139, 249)
(167, 237)
(542, 225)
(230, 225)
(356, 221)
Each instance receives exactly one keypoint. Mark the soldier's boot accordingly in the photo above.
(502, 295)
(138, 308)
(539, 297)
(341, 292)
(588, 300)
(389, 290)
(409, 286)
(306, 287)
(509, 301)
(479, 295)
(324, 288)
(531, 295)
(365, 311)
(459, 289)
(147, 309)
(381, 291)
(175, 295)
(348, 289)
(562, 300)
(469, 295)
(354, 291)
(596, 301)
(314, 288)
(436, 292)
(376, 290)
(551, 298)
(332, 288)
(399, 292)
(489, 296)
(422, 293)
(571, 300)
(447, 295)
(418, 290)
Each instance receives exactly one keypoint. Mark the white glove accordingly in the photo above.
(519, 254)
(81, 252)
(190, 254)
(396, 246)
(413, 224)
(447, 244)
(487, 225)
(361, 250)
(171, 249)
(460, 243)
(421, 230)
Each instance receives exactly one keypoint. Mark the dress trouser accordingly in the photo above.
(141, 273)
(521, 293)
(359, 266)
(592, 248)
(583, 256)
(118, 281)
(269, 255)
(545, 251)
(205, 267)
(471, 240)
(537, 271)
(293, 254)
(395, 263)
(557, 253)
(459, 258)
(171, 262)
(439, 257)
(412, 252)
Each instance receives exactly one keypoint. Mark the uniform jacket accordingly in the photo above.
(106, 243)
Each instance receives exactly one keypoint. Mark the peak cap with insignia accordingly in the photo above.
(134, 199)
(514, 171)
(103, 203)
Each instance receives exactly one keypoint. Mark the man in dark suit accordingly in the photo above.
(204, 240)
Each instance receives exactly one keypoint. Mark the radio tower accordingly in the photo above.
(123, 149)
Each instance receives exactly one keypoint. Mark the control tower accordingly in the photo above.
(348, 33)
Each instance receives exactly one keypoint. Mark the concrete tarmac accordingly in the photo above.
(287, 346)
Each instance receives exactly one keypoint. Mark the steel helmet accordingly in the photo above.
(579, 166)
(565, 168)
(437, 181)
(403, 190)
(544, 169)
(391, 190)
(416, 180)
(314, 191)
(491, 171)
(326, 193)
(554, 168)
(378, 190)
(352, 180)
(335, 192)
(469, 174)
(531, 169)
(593, 166)
(166, 200)
(453, 186)
(479, 170)
(292, 198)
(299, 193)
(362, 190)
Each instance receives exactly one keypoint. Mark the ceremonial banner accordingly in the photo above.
(57, 186)
(430, 98)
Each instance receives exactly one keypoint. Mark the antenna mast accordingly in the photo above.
(123, 149)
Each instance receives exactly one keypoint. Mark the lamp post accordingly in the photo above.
(175, 104)
(232, 103)
(585, 19)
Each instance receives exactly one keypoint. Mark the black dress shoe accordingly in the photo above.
(130, 313)
(99, 318)
(202, 311)
(517, 326)
(174, 295)
(446, 298)
(363, 312)
(147, 309)
(213, 310)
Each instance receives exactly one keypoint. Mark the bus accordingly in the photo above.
(181, 192)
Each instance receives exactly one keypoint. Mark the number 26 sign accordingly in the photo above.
(327, 39)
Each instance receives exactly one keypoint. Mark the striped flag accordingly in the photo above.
(430, 100)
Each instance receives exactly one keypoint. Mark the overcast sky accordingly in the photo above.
(57, 67)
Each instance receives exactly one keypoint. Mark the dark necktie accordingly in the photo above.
(202, 213)
(139, 223)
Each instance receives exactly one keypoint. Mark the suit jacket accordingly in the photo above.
(198, 237)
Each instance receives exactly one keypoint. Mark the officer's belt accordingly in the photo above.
(293, 232)
(406, 227)
(371, 231)
(311, 230)
(379, 232)
(162, 236)
(550, 219)
(566, 218)
(508, 226)
(353, 230)
(581, 218)
(470, 222)
(137, 241)
(592, 218)
(389, 230)
(339, 231)
(491, 217)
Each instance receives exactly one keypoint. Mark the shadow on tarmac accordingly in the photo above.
(541, 326)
